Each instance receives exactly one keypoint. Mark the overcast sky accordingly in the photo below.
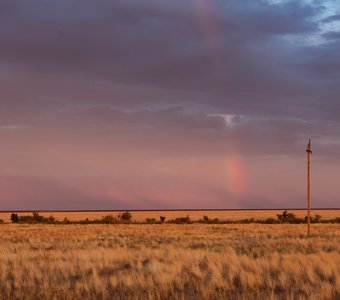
(136, 104)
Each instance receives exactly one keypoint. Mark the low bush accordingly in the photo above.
(206, 220)
(14, 218)
(150, 220)
(109, 219)
(246, 221)
(269, 221)
(66, 221)
(290, 218)
(34, 218)
(316, 219)
(125, 216)
(181, 220)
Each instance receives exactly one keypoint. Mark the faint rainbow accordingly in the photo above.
(235, 175)
(235, 171)
(234, 168)
(209, 26)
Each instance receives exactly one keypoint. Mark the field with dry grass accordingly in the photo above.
(168, 261)
(141, 216)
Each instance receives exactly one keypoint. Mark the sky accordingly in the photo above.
(136, 104)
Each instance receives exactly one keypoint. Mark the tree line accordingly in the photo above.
(126, 218)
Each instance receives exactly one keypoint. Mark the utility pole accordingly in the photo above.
(309, 152)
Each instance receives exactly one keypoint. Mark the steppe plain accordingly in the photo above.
(170, 261)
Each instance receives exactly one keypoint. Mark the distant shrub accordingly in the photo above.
(182, 220)
(162, 218)
(267, 221)
(38, 218)
(335, 220)
(109, 219)
(1, 221)
(206, 220)
(88, 221)
(66, 221)
(217, 221)
(270, 221)
(26, 219)
(14, 218)
(246, 221)
(51, 219)
(150, 220)
(126, 216)
(316, 219)
(289, 218)
(34, 218)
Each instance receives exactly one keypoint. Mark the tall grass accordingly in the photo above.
(244, 261)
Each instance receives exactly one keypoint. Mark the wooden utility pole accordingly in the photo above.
(309, 152)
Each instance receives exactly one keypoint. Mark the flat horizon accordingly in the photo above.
(181, 209)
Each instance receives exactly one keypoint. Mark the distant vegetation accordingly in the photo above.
(126, 218)
(35, 218)
(181, 220)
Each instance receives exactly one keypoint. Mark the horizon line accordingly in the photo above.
(170, 209)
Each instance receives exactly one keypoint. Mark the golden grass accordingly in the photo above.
(141, 216)
(166, 261)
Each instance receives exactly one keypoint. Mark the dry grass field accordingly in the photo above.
(141, 216)
(199, 261)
